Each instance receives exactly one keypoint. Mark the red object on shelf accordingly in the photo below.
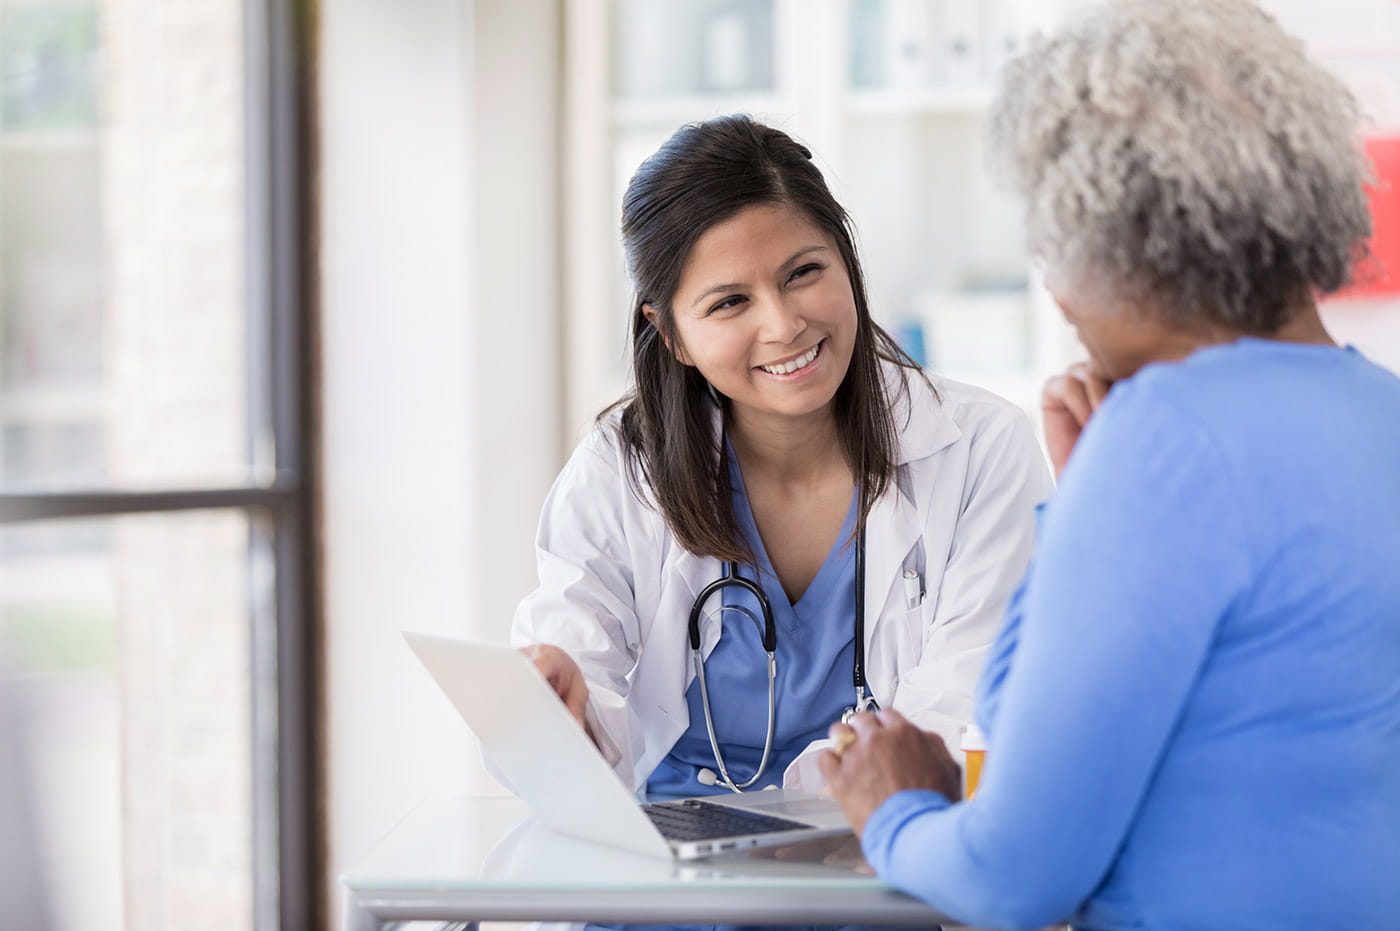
(1379, 275)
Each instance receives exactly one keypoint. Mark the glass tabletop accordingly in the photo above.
(492, 842)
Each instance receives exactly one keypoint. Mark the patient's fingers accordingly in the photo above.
(842, 736)
(1070, 394)
(1095, 387)
(1066, 404)
(866, 722)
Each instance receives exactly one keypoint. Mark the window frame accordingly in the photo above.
(284, 615)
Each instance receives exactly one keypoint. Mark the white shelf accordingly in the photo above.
(1020, 386)
(672, 111)
(931, 101)
(52, 405)
(47, 140)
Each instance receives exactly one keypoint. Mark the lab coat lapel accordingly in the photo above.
(897, 520)
(697, 572)
(700, 571)
(892, 530)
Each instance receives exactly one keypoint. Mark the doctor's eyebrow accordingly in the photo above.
(738, 285)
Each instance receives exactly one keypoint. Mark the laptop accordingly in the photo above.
(546, 759)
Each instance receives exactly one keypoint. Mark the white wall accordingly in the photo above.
(397, 341)
(441, 388)
(518, 306)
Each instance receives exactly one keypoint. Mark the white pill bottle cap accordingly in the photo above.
(972, 739)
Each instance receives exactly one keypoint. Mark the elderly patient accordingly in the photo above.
(1193, 712)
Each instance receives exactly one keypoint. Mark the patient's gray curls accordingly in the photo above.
(1189, 149)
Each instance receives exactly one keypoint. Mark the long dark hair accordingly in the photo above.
(704, 174)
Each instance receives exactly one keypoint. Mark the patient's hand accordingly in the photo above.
(887, 755)
(1066, 404)
(564, 676)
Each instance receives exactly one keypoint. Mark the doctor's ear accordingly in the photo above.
(678, 351)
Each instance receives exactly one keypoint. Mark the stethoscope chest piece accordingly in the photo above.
(864, 702)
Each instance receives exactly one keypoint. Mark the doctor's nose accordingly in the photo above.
(782, 323)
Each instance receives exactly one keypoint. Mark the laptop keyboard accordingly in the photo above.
(689, 820)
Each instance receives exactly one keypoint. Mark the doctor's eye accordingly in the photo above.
(729, 303)
(805, 270)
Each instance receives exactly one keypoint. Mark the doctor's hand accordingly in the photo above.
(1066, 404)
(885, 754)
(564, 676)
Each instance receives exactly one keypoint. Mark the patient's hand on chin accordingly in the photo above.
(1066, 404)
(843, 851)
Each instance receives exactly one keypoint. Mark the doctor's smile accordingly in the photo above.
(766, 302)
(796, 366)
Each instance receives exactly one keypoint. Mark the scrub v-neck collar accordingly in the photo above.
(841, 554)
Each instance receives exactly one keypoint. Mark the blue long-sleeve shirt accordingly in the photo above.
(1193, 712)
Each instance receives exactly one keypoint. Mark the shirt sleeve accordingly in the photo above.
(1007, 478)
(998, 664)
(1141, 554)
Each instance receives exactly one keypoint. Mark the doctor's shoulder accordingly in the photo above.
(601, 469)
(998, 433)
(973, 409)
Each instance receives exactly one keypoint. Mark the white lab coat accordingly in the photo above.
(616, 588)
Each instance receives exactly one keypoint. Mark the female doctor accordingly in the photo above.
(782, 489)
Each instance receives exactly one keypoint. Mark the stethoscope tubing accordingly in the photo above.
(724, 778)
(732, 578)
(858, 664)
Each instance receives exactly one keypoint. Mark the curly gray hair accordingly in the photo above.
(1188, 150)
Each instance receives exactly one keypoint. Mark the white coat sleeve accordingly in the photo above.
(585, 602)
(991, 547)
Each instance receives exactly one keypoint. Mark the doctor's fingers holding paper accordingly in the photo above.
(783, 497)
(563, 675)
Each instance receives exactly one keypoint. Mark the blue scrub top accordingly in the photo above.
(815, 653)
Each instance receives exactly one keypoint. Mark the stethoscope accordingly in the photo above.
(732, 579)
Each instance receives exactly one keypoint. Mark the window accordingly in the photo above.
(154, 497)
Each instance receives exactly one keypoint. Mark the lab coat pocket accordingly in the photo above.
(911, 637)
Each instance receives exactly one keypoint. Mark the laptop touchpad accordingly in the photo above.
(794, 807)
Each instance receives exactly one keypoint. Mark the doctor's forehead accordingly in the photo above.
(755, 241)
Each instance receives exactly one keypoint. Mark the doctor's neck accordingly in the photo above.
(790, 449)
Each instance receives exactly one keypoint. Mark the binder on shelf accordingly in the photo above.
(961, 45)
(726, 53)
(1378, 274)
(1004, 37)
(909, 45)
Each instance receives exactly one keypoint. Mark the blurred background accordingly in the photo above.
(303, 305)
